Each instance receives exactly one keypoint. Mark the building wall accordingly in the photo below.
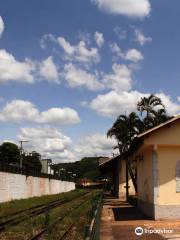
(165, 203)
(44, 164)
(145, 188)
(16, 186)
(167, 135)
(122, 182)
(168, 199)
(168, 159)
(144, 174)
(156, 180)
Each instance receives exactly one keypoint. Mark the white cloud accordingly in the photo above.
(59, 116)
(122, 34)
(119, 79)
(7, 140)
(46, 38)
(77, 77)
(66, 46)
(13, 70)
(94, 145)
(27, 71)
(173, 108)
(99, 38)
(18, 111)
(49, 71)
(85, 37)
(49, 142)
(84, 103)
(130, 8)
(1, 26)
(116, 50)
(80, 52)
(141, 38)
(133, 54)
(113, 104)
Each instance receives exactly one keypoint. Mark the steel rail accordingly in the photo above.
(59, 219)
(33, 212)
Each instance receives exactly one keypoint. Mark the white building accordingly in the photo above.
(47, 166)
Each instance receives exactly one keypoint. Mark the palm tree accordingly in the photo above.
(160, 116)
(124, 129)
(148, 105)
(154, 109)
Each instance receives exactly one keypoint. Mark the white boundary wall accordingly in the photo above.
(16, 186)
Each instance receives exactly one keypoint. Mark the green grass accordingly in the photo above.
(18, 205)
(81, 216)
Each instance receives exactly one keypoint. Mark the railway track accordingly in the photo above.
(67, 232)
(22, 215)
(59, 219)
(25, 210)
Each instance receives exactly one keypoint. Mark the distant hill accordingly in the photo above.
(85, 168)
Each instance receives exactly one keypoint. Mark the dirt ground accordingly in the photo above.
(120, 219)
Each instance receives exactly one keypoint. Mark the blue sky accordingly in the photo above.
(69, 68)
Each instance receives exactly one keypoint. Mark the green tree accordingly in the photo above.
(9, 153)
(159, 117)
(32, 161)
(154, 110)
(149, 105)
(124, 129)
(74, 171)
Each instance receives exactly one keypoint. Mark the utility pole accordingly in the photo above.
(21, 151)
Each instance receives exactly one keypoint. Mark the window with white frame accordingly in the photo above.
(178, 177)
